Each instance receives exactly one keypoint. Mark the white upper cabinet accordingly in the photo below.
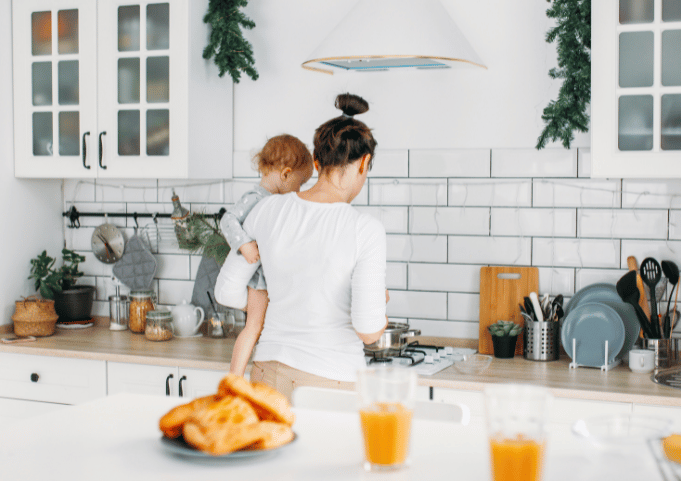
(118, 89)
(636, 88)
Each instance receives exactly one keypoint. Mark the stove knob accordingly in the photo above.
(449, 350)
(428, 360)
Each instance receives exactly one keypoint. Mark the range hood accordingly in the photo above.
(393, 34)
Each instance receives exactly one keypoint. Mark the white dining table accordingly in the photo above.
(117, 438)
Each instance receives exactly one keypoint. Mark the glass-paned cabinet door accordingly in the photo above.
(636, 88)
(143, 88)
(55, 101)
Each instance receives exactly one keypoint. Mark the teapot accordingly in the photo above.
(187, 319)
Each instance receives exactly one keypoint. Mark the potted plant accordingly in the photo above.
(504, 338)
(72, 302)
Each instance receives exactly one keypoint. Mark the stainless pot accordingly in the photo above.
(393, 340)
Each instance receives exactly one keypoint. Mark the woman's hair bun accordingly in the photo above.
(351, 104)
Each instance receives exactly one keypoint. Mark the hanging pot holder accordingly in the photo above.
(137, 267)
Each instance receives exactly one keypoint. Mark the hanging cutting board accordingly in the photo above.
(501, 290)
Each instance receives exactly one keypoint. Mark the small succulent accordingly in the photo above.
(505, 328)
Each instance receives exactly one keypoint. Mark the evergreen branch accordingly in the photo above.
(573, 36)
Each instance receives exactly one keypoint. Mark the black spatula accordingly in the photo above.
(651, 272)
(670, 270)
(628, 291)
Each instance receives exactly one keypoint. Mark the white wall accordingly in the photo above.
(457, 108)
(31, 210)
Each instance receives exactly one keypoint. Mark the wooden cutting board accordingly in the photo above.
(501, 290)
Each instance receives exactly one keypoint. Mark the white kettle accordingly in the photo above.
(187, 319)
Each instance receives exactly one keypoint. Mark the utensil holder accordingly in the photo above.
(540, 342)
(666, 352)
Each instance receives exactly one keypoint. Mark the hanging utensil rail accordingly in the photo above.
(74, 215)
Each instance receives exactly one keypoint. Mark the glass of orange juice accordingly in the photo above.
(516, 420)
(387, 395)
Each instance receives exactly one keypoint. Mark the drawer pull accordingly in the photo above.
(35, 377)
(170, 376)
(183, 378)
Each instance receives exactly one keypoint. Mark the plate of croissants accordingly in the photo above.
(241, 420)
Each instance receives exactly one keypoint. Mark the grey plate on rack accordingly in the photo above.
(595, 292)
(591, 324)
(631, 326)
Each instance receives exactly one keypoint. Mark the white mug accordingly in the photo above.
(641, 360)
(187, 319)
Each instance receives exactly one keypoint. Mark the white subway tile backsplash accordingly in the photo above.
(660, 250)
(556, 281)
(584, 163)
(408, 192)
(586, 277)
(534, 163)
(460, 330)
(127, 190)
(172, 292)
(449, 220)
(547, 252)
(390, 163)
(78, 190)
(449, 163)
(172, 267)
(625, 223)
(490, 192)
(675, 224)
(646, 194)
(243, 165)
(444, 277)
(394, 219)
(396, 275)
(77, 239)
(576, 193)
(426, 305)
(417, 248)
(463, 307)
(544, 222)
(490, 250)
(361, 199)
(192, 191)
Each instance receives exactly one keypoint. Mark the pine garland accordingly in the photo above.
(232, 52)
(573, 34)
(202, 235)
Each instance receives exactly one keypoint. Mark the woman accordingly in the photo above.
(324, 263)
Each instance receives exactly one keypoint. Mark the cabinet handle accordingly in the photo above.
(101, 152)
(35, 377)
(170, 376)
(183, 378)
(85, 150)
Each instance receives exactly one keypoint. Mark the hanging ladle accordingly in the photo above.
(651, 272)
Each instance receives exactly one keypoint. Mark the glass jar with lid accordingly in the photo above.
(141, 302)
(159, 325)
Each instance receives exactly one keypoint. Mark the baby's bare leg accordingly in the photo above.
(245, 341)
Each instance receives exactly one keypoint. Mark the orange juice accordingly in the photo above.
(386, 428)
(516, 459)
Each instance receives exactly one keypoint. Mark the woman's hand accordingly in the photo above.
(250, 252)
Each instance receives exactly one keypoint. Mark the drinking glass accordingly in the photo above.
(386, 406)
(516, 418)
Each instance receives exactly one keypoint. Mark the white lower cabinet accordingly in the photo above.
(670, 412)
(161, 380)
(31, 385)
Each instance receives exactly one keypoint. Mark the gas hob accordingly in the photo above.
(425, 360)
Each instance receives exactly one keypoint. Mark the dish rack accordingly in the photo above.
(604, 367)
(159, 235)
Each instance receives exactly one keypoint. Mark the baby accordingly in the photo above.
(285, 164)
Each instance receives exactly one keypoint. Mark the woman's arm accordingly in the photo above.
(247, 338)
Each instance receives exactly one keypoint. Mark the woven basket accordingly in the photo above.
(34, 317)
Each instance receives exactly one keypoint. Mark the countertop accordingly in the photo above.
(100, 343)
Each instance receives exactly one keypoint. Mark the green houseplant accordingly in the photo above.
(504, 338)
(71, 301)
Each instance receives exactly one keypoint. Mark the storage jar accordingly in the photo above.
(159, 325)
(141, 302)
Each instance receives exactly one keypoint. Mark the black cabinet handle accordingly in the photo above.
(85, 150)
(183, 378)
(101, 151)
(170, 376)
(35, 377)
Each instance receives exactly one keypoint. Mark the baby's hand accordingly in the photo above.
(250, 252)
(387, 296)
